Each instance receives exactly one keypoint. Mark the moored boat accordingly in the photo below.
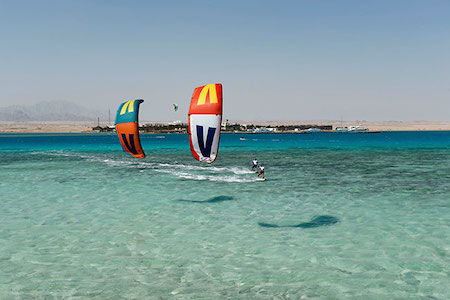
(357, 129)
(311, 130)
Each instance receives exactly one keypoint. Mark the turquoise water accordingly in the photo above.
(341, 216)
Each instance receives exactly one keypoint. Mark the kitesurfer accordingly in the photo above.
(261, 171)
(255, 165)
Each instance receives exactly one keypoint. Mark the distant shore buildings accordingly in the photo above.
(178, 127)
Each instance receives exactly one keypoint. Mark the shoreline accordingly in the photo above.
(86, 127)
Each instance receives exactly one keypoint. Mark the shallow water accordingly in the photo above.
(341, 216)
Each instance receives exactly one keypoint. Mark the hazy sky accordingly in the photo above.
(277, 60)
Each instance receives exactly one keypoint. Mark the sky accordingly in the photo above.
(277, 60)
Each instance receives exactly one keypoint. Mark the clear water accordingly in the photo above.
(341, 216)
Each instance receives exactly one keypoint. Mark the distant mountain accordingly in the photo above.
(50, 111)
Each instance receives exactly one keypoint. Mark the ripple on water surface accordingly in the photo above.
(353, 222)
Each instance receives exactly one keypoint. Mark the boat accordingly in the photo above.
(341, 129)
(357, 129)
(311, 130)
(263, 130)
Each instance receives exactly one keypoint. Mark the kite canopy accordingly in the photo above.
(175, 107)
(128, 129)
(205, 118)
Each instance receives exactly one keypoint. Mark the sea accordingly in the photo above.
(340, 216)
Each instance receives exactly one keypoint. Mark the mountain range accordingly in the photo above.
(50, 111)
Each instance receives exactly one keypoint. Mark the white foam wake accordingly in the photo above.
(235, 170)
(208, 177)
(176, 169)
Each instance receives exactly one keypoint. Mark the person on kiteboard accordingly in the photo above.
(261, 171)
(255, 165)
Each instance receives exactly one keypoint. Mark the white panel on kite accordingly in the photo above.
(205, 134)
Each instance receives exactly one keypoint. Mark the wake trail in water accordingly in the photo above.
(185, 171)
(208, 177)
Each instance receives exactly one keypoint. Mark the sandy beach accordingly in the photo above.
(47, 127)
(74, 127)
